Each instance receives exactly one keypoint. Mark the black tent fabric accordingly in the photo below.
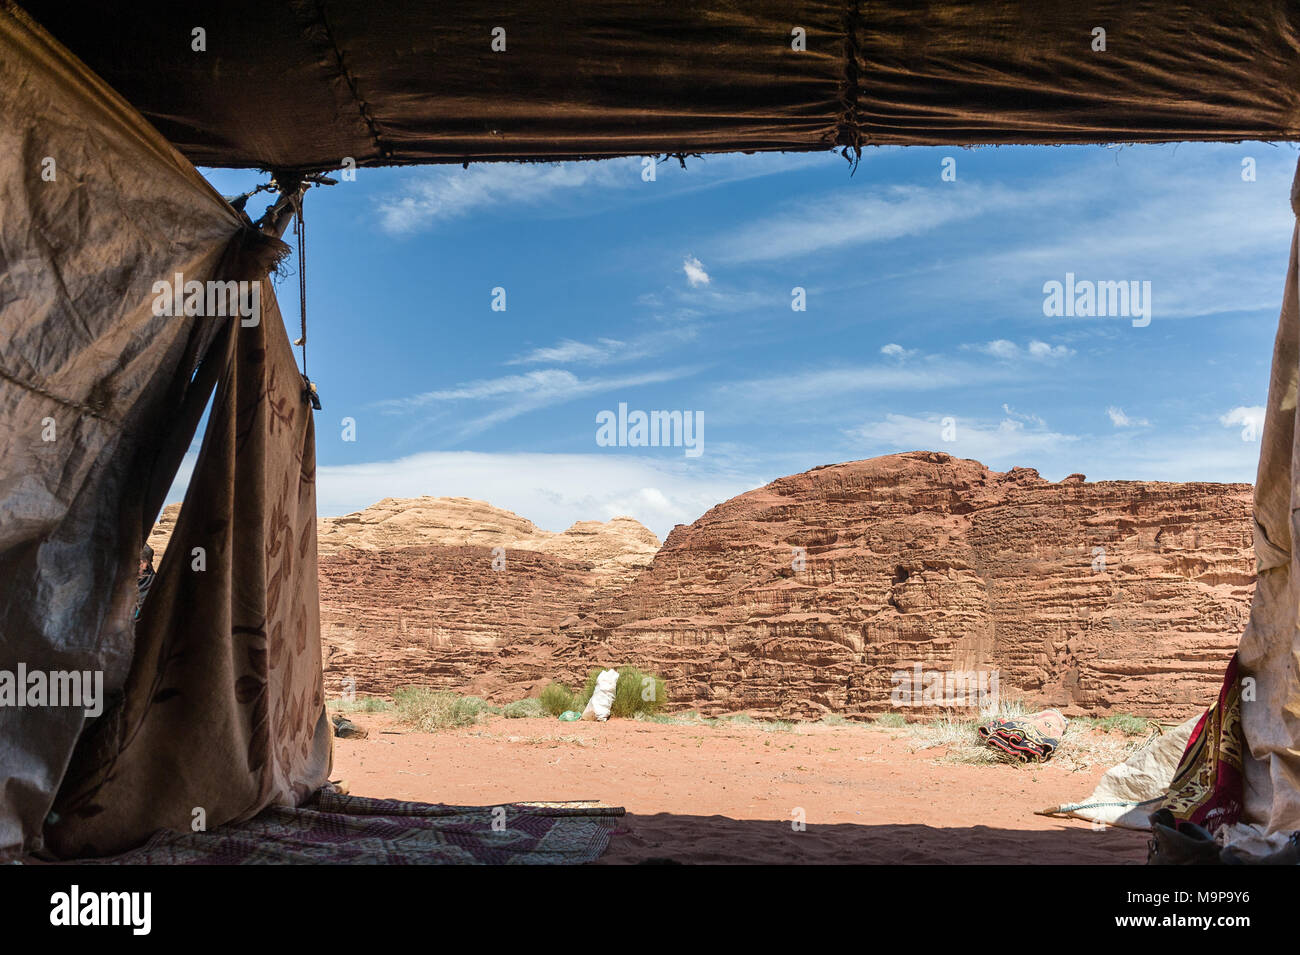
(304, 85)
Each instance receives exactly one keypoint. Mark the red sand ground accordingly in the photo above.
(700, 794)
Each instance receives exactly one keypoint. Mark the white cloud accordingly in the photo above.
(1249, 417)
(893, 350)
(450, 192)
(1122, 455)
(569, 351)
(444, 193)
(1045, 352)
(1225, 252)
(804, 228)
(828, 384)
(608, 351)
(695, 273)
(1023, 417)
(552, 490)
(514, 395)
(1000, 349)
(998, 444)
(1121, 420)
(1006, 350)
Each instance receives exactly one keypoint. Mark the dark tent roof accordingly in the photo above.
(301, 84)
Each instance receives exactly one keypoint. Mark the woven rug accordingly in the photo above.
(360, 831)
(1032, 738)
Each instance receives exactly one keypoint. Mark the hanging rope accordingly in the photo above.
(300, 235)
(293, 187)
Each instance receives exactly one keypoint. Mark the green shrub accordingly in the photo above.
(431, 710)
(362, 704)
(557, 698)
(1126, 723)
(527, 708)
(628, 693)
(891, 720)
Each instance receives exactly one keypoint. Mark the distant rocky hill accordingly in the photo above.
(1116, 596)
(808, 595)
(618, 547)
(416, 591)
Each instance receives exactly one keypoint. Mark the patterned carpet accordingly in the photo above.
(340, 829)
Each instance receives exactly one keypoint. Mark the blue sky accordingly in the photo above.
(924, 302)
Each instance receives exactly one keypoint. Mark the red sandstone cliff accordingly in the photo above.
(925, 558)
(907, 559)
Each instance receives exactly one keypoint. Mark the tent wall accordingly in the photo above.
(95, 389)
(224, 707)
(1270, 647)
(302, 84)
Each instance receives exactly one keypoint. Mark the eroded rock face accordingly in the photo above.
(618, 547)
(457, 594)
(456, 618)
(809, 595)
(162, 531)
(1095, 597)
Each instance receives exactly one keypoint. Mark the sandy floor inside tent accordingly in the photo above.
(726, 793)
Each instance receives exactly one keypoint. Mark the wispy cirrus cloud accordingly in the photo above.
(810, 226)
(1173, 232)
(445, 193)
(904, 371)
(451, 192)
(608, 351)
(991, 442)
(510, 396)
(1202, 453)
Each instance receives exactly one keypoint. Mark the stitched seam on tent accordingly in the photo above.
(849, 134)
(362, 106)
(57, 399)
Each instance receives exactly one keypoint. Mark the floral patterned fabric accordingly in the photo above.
(223, 713)
(1207, 786)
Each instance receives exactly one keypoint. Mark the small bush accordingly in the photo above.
(528, 708)
(1126, 723)
(629, 693)
(892, 720)
(431, 710)
(557, 698)
(362, 704)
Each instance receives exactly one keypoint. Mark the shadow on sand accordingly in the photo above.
(665, 837)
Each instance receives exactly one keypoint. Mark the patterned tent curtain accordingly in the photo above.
(224, 708)
(1269, 654)
(98, 397)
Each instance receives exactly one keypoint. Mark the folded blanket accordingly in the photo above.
(1031, 738)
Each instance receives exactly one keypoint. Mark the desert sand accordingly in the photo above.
(726, 794)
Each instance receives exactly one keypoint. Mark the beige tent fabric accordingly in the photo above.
(95, 390)
(1133, 790)
(224, 712)
(1270, 647)
(1269, 653)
